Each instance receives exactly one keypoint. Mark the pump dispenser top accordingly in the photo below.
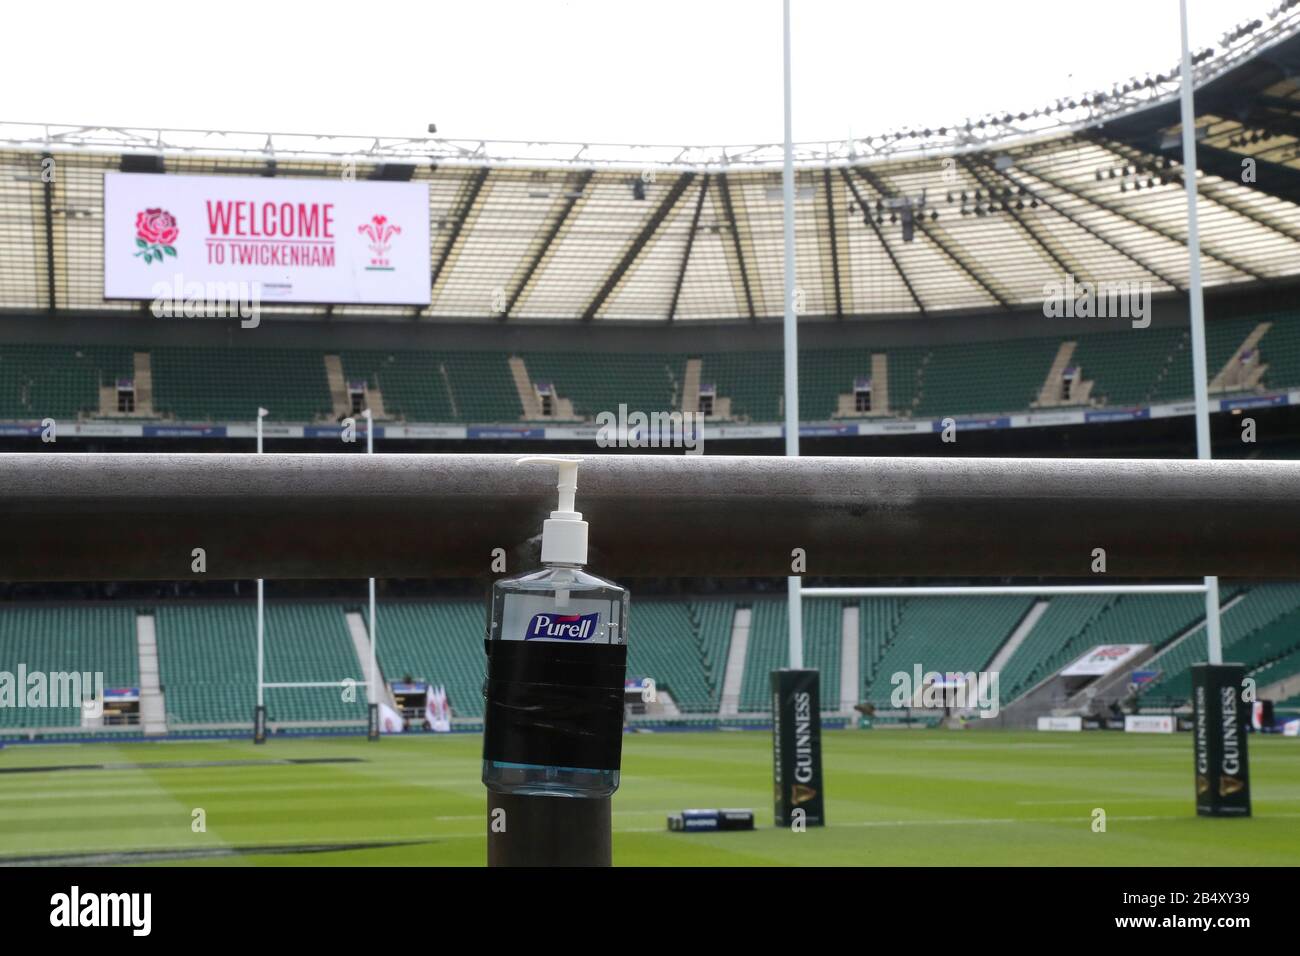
(564, 534)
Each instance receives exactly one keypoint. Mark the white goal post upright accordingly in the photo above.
(791, 338)
(1197, 302)
(259, 715)
(373, 686)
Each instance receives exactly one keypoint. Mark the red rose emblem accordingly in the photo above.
(155, 234)
(156, 227)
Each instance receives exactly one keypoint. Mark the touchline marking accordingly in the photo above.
(1099, 800)
(225, 846)
(251, 848)
(1031, 820)
(1090, 802)
(617, 813)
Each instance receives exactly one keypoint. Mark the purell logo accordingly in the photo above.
(562, 627)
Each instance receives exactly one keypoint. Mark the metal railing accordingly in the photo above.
(125, 517)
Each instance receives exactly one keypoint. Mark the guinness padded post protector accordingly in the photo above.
(1219, 728)
(797, 747)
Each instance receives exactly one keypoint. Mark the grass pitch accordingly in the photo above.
(893, 798)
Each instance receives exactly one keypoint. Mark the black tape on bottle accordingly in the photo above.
(553, 704)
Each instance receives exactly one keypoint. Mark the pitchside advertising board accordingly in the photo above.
(797, 747)
(1150, 723)
(298, 240)
(1219, 718)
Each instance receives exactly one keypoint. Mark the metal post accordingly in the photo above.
(791, 341)
(544, 831)
(1197, 302)
(259, 716)
(137, 516)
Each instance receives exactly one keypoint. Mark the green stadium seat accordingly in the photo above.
(228, 384)
(58, 381)
(958, 634)
(436, 641)
(769, 650)
(66, 639)
(1262, 626)
(207, 661)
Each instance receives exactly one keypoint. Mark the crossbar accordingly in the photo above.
(117, 517)
(1043, 590)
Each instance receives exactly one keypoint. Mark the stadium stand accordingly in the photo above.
(1044, 650)
(823, 632)
(217, 385)
(752, 380)
(825, 375)
(1132, 369)
(940, 634)
(414, 384)
(438, 641)
(207, 651)
(56, 380)
(597, 384)
(1281, 667)
(207, 656)
(1072, 625)
(1280, 350)
(768, 650)
(877, 623)
(482, 394)
(66, 639)
(207, 662)
(203, 384)
(664, 645)
(981, 377)
(1259, 628)
(438, 386)
(715, 619)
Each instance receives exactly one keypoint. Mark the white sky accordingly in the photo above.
(694, 72)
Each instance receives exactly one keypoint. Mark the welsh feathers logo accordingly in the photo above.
(380, 232)
(155, 234)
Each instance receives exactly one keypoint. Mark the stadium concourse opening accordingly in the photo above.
(1001, 487)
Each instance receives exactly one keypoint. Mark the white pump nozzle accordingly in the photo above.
(564, 534)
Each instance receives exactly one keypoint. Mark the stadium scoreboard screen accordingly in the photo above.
(289, 240)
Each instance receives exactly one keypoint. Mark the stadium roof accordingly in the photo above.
(980, 215)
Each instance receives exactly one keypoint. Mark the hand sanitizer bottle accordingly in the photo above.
(557, 661)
